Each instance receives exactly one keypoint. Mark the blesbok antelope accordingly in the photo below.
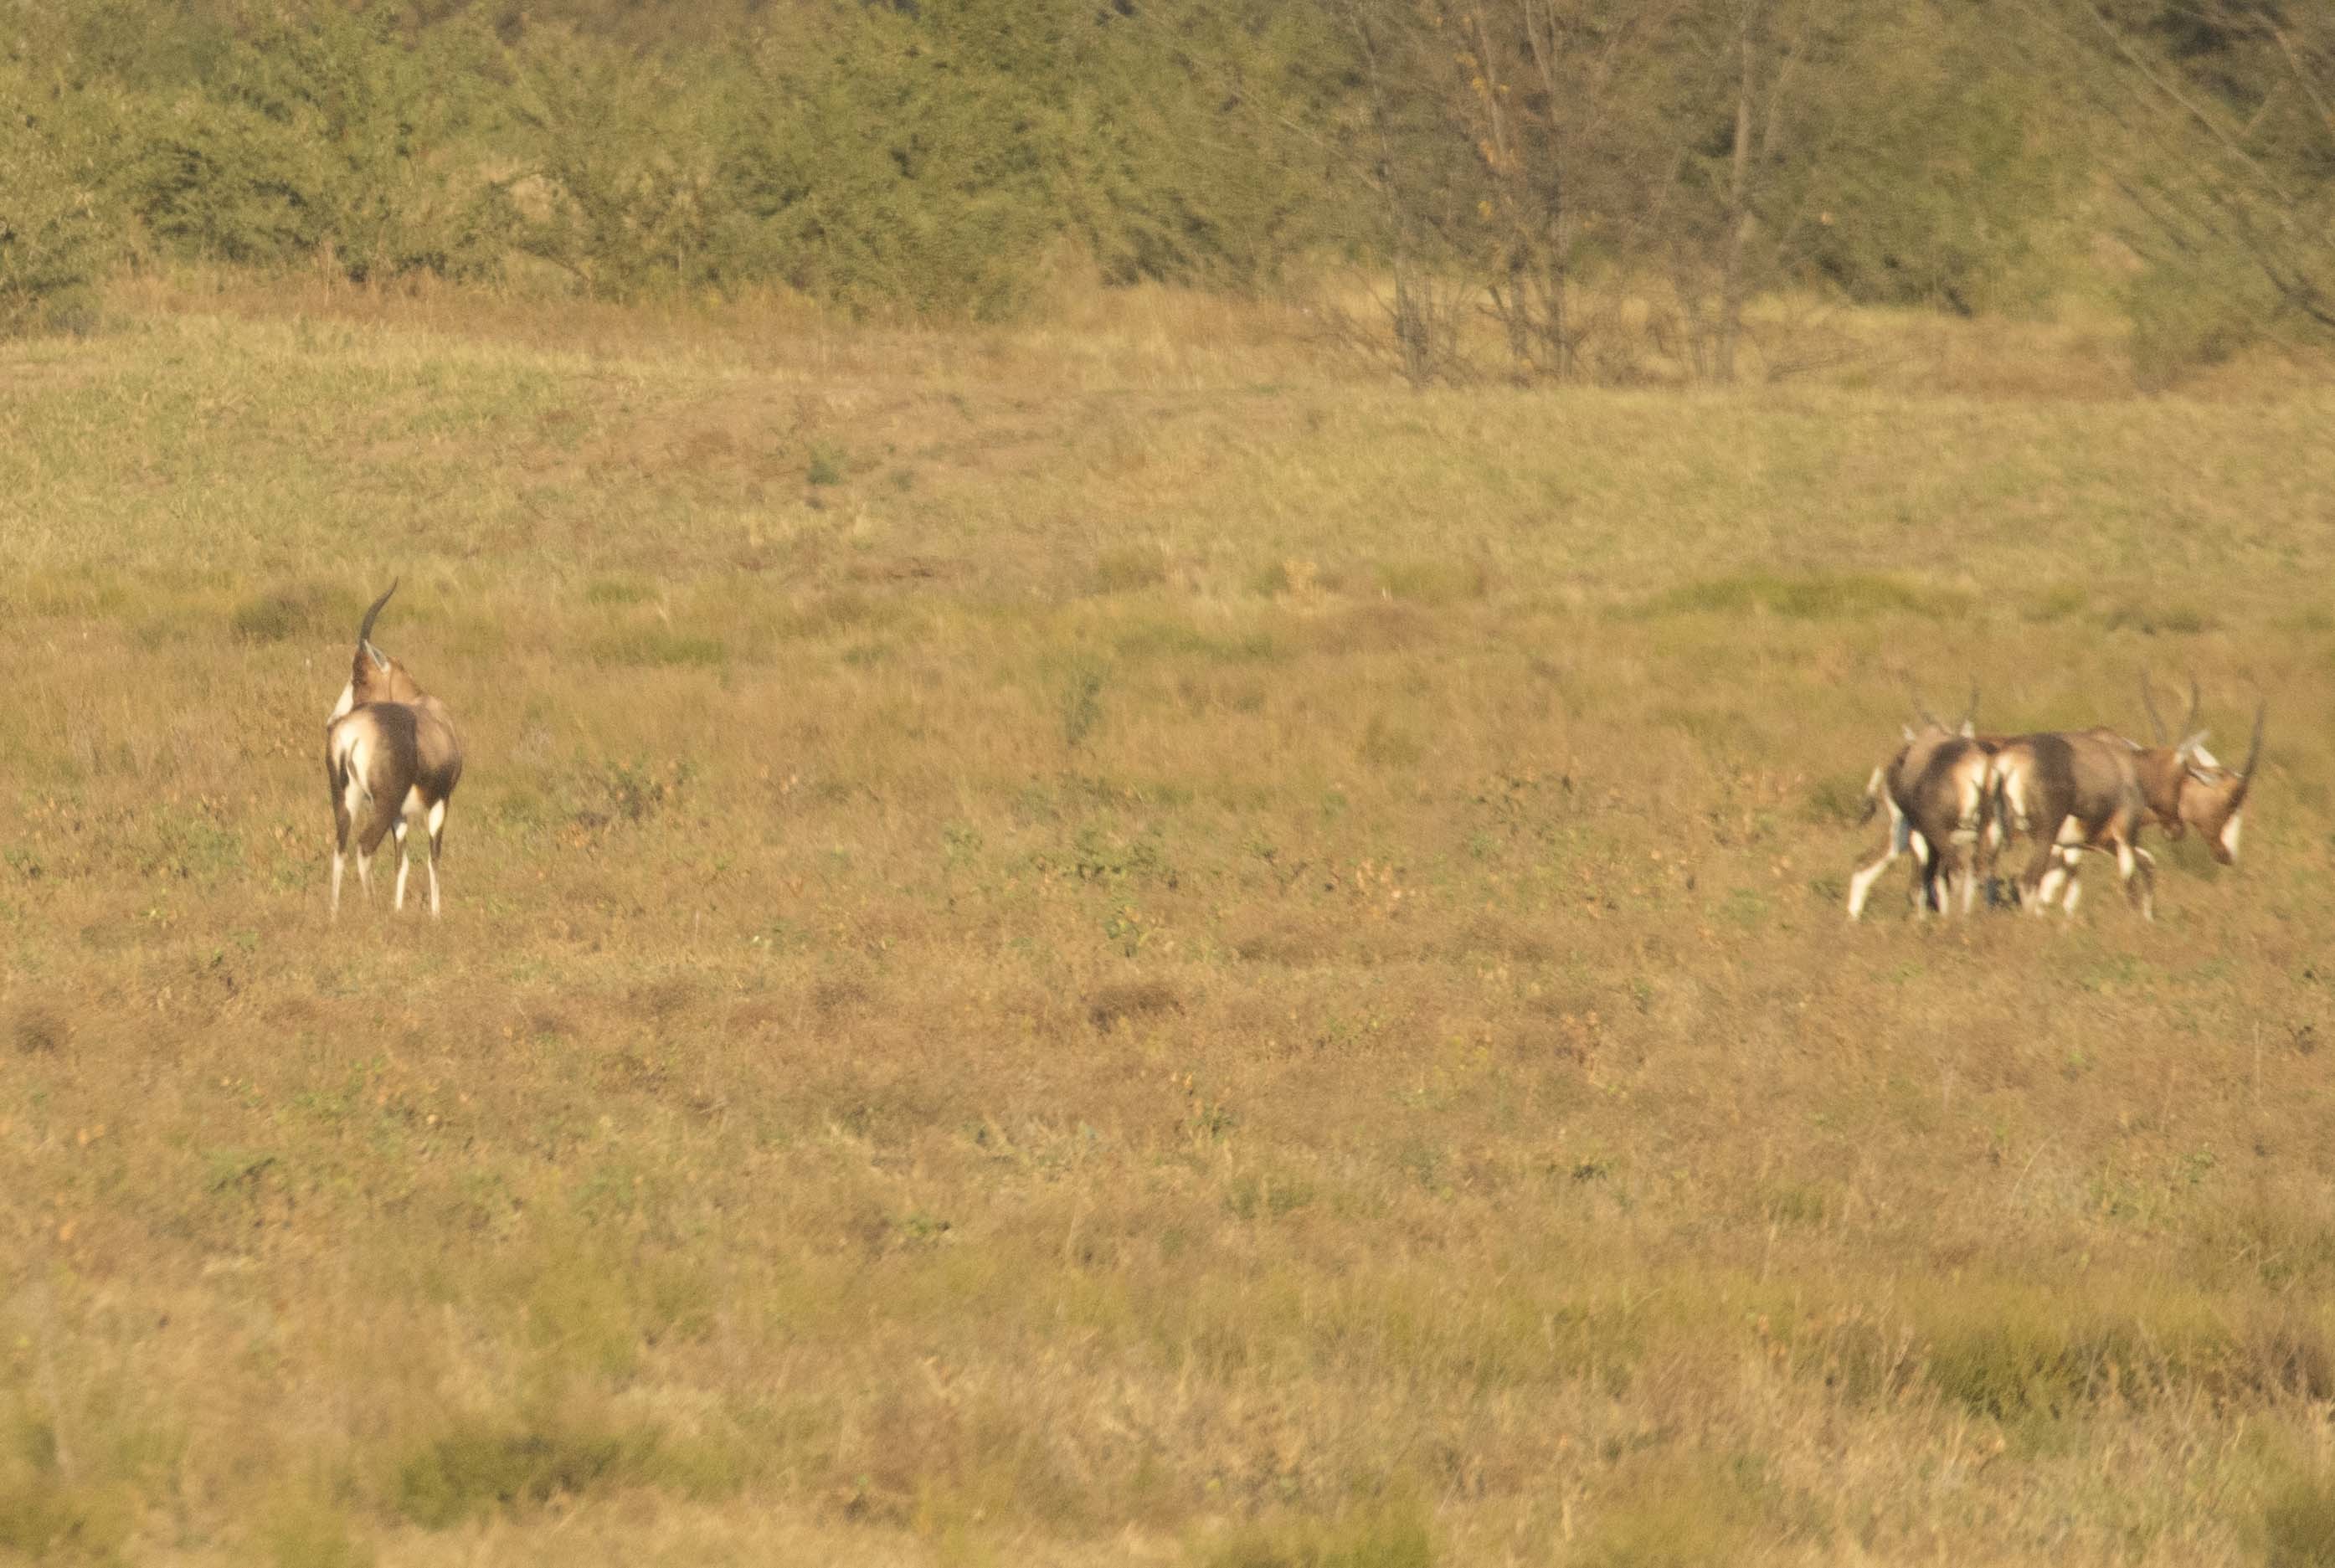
(1935, 791)
(2187, 786)
(391, 754)
(2070, 792)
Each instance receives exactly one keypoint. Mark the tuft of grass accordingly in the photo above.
(1130, 569)
(828, 465)
(306, 1530)
(39, 1030)
(280, 614)
(1389, 1533)
(2298, 1524)
(473, 1470)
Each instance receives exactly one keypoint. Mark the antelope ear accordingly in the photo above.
(1906, 730)
(1969, 729)
(380, 660)
(2188, 748)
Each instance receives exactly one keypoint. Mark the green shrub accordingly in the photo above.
(54, 238)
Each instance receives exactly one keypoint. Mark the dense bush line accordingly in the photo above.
(1522, 159)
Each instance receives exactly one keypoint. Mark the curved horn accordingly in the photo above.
(2192, 719)
(1969, 714)
(2155, 719)
(365, 629)
(2254, 752)
(1921, 709)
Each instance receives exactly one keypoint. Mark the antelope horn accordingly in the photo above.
(2254, 752)
(2155, 719)
(1969, 714)
(365, 629)
(1921, 709)
(2192, 719)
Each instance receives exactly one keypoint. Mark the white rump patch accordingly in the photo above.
(340, 709)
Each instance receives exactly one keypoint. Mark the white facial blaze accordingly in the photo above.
(2229, 831)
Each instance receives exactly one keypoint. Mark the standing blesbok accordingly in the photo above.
(1935, 791)
(2070, 793)
(391, 754)
(2187, 786)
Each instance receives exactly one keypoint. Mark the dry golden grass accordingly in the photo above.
(1101, 944)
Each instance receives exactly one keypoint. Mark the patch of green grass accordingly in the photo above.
(1821, 597)
(605, 591)
(661, 647)
(1433, 582)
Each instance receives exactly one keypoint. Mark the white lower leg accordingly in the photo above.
(364, 874)
(2047, 891)
(336, 880)
(1861, 885)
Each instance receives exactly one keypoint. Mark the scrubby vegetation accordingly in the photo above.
(1565, 189)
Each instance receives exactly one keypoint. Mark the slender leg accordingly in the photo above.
(1860, 886)
(404, 865)
(437, 848)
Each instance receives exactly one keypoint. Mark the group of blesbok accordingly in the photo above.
(1956, 798)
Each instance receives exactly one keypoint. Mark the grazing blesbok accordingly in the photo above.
(2070, 793)
(1935, 791)
(391, 754)
(2187, 786)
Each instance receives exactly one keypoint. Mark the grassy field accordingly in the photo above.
(1103, 943)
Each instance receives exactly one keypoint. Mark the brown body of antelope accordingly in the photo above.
(392, 758)
(2070, 793)
(1935, 791)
